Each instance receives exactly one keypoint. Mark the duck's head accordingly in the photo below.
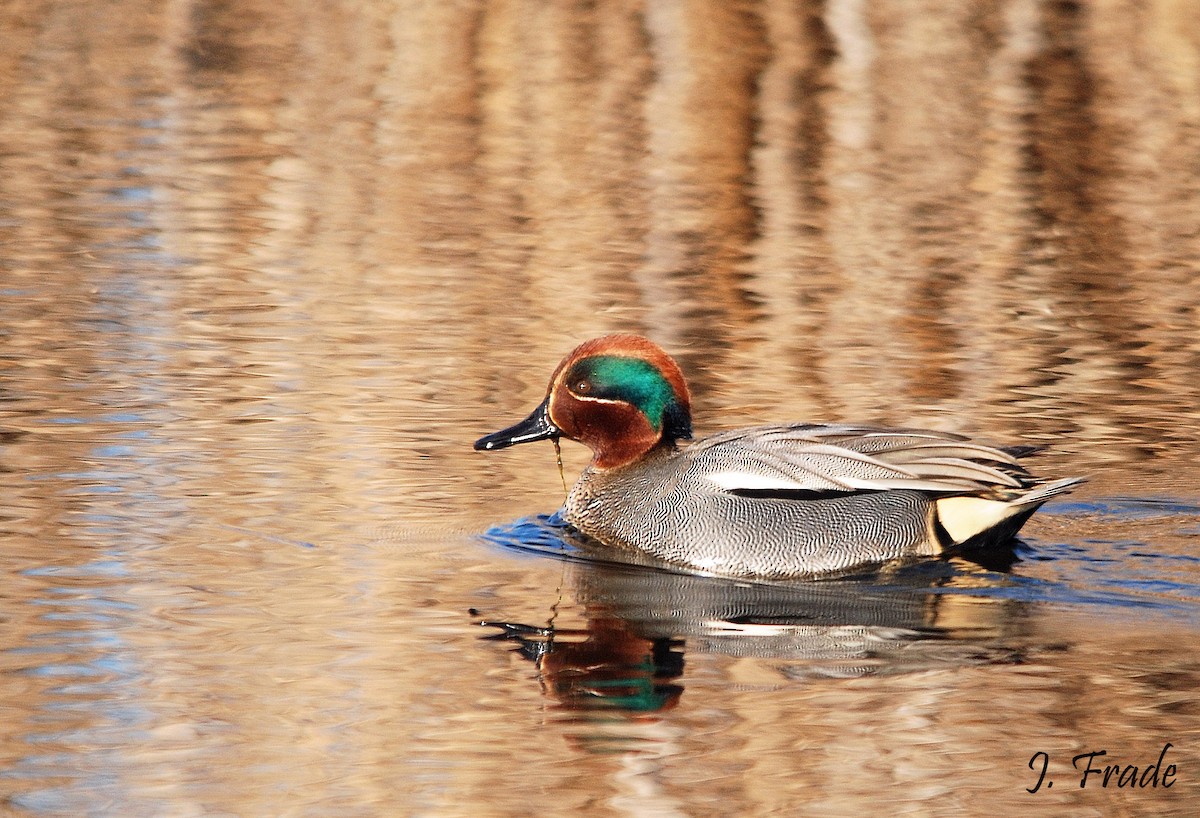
(619, 395)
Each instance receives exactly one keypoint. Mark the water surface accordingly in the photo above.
(268, 270)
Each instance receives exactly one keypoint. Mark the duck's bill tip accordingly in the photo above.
(535, 427)
(487, 444)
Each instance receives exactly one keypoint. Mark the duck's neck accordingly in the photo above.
(613, 459)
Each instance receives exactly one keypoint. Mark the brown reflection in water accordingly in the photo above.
(1077, 236)
(978, 736)
(836, 192)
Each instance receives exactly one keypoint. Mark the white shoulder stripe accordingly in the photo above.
(748, 481)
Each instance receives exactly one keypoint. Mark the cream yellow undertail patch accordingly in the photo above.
(964, 517)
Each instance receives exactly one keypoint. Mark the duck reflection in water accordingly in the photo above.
(628, 657)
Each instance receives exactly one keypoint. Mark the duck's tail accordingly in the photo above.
(1041, 492)
(967, 520)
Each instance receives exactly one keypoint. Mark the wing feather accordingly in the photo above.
(811, 458)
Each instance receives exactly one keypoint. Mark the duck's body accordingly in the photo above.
(796, 500)
(789, 501)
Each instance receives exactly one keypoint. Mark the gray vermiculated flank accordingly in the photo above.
(691, 524)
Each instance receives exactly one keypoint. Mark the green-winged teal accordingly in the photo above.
(793, 500)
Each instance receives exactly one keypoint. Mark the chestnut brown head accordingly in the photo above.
(620, 395)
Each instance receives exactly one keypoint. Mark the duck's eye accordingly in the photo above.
(583, 387)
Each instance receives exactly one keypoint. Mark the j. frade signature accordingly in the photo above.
(1091, 769)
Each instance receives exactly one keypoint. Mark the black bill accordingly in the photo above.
(535, 427)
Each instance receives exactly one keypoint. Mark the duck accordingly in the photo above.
(780, 501)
